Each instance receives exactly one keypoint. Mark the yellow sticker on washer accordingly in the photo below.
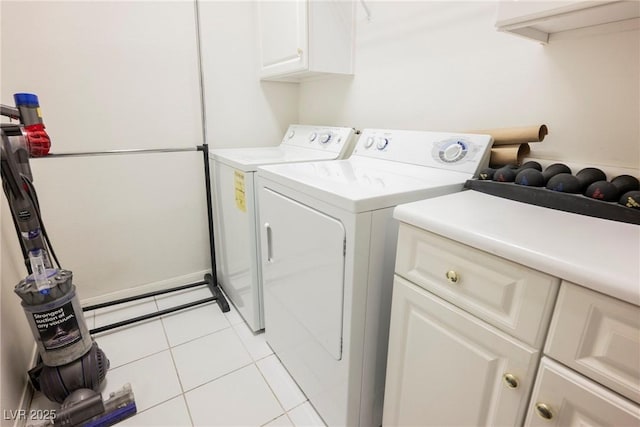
(241, 200)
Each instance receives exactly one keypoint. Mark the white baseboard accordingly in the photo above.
(27, 392)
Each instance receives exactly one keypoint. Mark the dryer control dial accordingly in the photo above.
(291, 134)
(369, 142)
(453, 151)
(325, 137)
(382, 143)
(313, 136)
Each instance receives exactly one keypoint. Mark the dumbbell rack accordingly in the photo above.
(540, 196)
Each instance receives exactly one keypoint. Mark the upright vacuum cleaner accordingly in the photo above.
(72, 366)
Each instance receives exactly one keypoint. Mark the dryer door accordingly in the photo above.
(303, 272)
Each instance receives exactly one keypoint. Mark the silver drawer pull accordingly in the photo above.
(452, 276)
(511, 380)
(544, 411)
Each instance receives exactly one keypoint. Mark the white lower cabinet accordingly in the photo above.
(466, 337)
(562, 397)
(446, 367)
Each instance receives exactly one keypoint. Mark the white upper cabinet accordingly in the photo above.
(545, 20)
(305, 38)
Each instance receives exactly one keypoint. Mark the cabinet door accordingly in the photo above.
(562, 397)
(283, 36)
(303, 277)
(447, 368)
(599, 337)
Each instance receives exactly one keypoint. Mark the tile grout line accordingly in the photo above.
(175, 366)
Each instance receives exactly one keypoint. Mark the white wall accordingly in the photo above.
(443, 66)
(124, 75)
(109, 75)
(114, 75)
(16, 343)
(241, 110)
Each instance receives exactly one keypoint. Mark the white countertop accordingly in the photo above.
(599, 254)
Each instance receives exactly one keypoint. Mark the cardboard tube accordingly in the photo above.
(517, 135)
(508, 154)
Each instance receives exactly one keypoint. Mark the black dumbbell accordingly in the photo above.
(530, 174)
(588, 176)
(555, 169)
(630, 199)
(505, 174)
(508, 173)
(486, 174)
(602, 190)
(530, 177)
(564, 183)
(626, 183)
(531, 164)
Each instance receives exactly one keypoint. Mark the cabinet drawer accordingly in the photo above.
(562, 397)
(598, 336)
(509, 296)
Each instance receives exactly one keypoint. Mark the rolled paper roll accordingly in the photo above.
(515, 135)
(508, 154)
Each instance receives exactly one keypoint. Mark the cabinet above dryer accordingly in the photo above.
(305, 38)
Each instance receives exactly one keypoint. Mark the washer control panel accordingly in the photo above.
(326, 138)
(456, 151)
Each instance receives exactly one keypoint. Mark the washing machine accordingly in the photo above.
(235, 212)
(328, 242)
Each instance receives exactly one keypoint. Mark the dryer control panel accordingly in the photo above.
(453, 151)
(326, 138)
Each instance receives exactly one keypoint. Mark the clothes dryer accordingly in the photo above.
(235, 211)
(328, 242)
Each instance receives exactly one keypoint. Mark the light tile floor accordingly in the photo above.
(196, 367)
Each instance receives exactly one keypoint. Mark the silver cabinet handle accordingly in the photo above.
(267, 227)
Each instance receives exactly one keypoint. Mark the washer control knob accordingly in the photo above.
(369, 142)
(382, 143)
(453, 151)
(291, 134)
(325, 137)
(313, 136)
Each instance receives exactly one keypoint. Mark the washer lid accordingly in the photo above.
(248, 159)
(300, 143)
(361, 184)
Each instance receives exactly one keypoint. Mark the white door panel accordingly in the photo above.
(237, 242)
(445, 367)
(304, 270)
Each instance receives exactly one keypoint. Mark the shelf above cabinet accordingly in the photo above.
(545, 20)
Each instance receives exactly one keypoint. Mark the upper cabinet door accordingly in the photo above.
(283, 36)
(305, 38)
